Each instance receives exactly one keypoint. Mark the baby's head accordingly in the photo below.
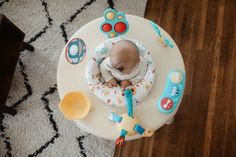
(124, 56)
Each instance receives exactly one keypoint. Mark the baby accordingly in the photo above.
(124, 65)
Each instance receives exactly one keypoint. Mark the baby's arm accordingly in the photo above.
(140, 76)
(106, 74)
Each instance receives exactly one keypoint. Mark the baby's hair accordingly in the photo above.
(124, 54)
(130, 43)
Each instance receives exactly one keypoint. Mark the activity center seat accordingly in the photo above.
(113, 96)
(137, 111)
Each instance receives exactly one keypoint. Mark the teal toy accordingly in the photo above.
(128, 93)
(127, 123)
(114, 23)
(173, 92)
(75, 51)
(164, 40)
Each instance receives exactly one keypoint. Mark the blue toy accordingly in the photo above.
(127, 123)
(172, 93)
(129, 101)
(161, 38)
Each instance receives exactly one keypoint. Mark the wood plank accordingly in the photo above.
(205, 124)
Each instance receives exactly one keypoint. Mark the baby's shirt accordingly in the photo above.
(108, 72)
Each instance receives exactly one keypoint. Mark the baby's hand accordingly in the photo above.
(112, 83)
(125, 83)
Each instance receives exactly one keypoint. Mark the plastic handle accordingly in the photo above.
(129, 101)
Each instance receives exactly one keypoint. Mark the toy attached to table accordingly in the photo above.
(127, 123)
(154, 111)
(172, 93)
(115, 23)
(164, 41)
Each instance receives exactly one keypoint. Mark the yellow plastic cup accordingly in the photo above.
(75, 105)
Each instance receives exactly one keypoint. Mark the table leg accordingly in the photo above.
(8, 110)
(27, 46)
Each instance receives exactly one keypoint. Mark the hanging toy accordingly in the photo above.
(127, 124)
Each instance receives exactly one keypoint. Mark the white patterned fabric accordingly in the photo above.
(113, 96)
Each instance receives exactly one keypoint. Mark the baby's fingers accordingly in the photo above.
(109, 84)
(114, 83)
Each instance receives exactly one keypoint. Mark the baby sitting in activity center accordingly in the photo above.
(124, 65)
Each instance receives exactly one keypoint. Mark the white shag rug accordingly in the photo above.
(38, 128)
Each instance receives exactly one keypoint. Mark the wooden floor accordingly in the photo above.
(205, 125)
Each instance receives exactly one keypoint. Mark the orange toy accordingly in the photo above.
(75, 105)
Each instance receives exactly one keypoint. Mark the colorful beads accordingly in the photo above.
(115, 23)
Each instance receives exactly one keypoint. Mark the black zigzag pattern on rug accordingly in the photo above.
(1, 3)
(14, 106)
(5, 138)
(72, 17)
(53, 123)
(50, 20)
(27, 85)
(81, 145)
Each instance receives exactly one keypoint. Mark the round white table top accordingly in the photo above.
(71, 77)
